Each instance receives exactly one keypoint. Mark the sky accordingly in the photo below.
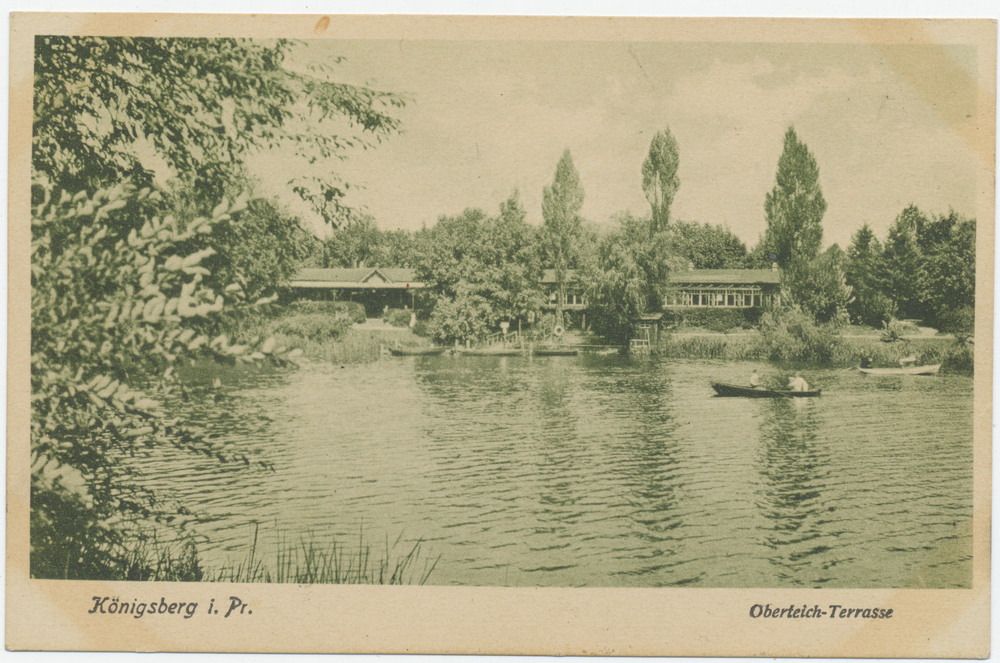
(484, 118)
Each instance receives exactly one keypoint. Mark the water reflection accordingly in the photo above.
(793, 466)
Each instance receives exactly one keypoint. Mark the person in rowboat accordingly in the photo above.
(798, 383)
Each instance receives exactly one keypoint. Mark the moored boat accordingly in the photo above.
(733, 390)
(554, 352)
(902, 370)
(416, 352)
(499, 352)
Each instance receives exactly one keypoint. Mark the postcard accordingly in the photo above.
(500, 335)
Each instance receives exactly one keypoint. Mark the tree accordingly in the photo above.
(106, 109)
(903, 273)
(358, 242)
(819, 286)
(659, 177)
(864, 256)
(706, 246)
(795, 206)
(630, 277)
(951, 274)
(260, 249)
(561, 203)
(481, 270)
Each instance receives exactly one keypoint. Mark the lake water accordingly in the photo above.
(595, 471)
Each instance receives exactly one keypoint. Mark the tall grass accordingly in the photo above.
(735, 347)
(309, 563)
(149, 560)
(354, 346)
(842, 349)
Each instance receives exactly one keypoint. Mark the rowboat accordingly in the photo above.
(416, 352)
(500, 352)
(554, 352)
(903, 370)
(722, 389)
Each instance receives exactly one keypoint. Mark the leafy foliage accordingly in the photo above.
(111, 108)
(630, 277)
(791, 334)
(398, 317)
(353, 310)
(795, 206)
(951, 271)
(707, 246)
(871, 305)
(659, 177)
(820, 287)
(718, 320)
(359, 242)
(313, 326)
(116, 297)
(902, 272)
(481, 267)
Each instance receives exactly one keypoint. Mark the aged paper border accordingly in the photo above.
(52, 615)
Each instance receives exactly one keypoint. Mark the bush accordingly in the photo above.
(892, 331)
(958, 321)
(397, 317)
(717, 320)
(791, 334)
(352, 310)
(313, 326)
(875, 311)
(422, 328)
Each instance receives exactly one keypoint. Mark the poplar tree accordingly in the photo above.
(795, 206)
(561, 203)
(659, 177)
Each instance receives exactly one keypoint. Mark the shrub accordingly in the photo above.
(892, 331)
(876, 310)
(957, 321)
(717, 320)
(422, 328)
(313, 326)
(791, 334)
(960, 358)
(353, 310)
(397, 317)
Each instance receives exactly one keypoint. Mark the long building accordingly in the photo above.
(724, 288)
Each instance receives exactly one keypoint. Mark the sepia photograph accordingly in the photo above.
(594, 305)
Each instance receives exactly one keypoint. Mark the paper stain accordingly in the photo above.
(321, 25)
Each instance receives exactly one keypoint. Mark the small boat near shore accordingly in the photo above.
(554, 352)
(499, 352)
(902, 370)
(732, 390)
(416, 352)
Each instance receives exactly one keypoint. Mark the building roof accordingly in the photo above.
(361, 277)
(754, 276)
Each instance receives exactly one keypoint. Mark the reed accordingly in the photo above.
(848, 349)
(932, 350)
(310, 563)
(354, 346)
(722, 346)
